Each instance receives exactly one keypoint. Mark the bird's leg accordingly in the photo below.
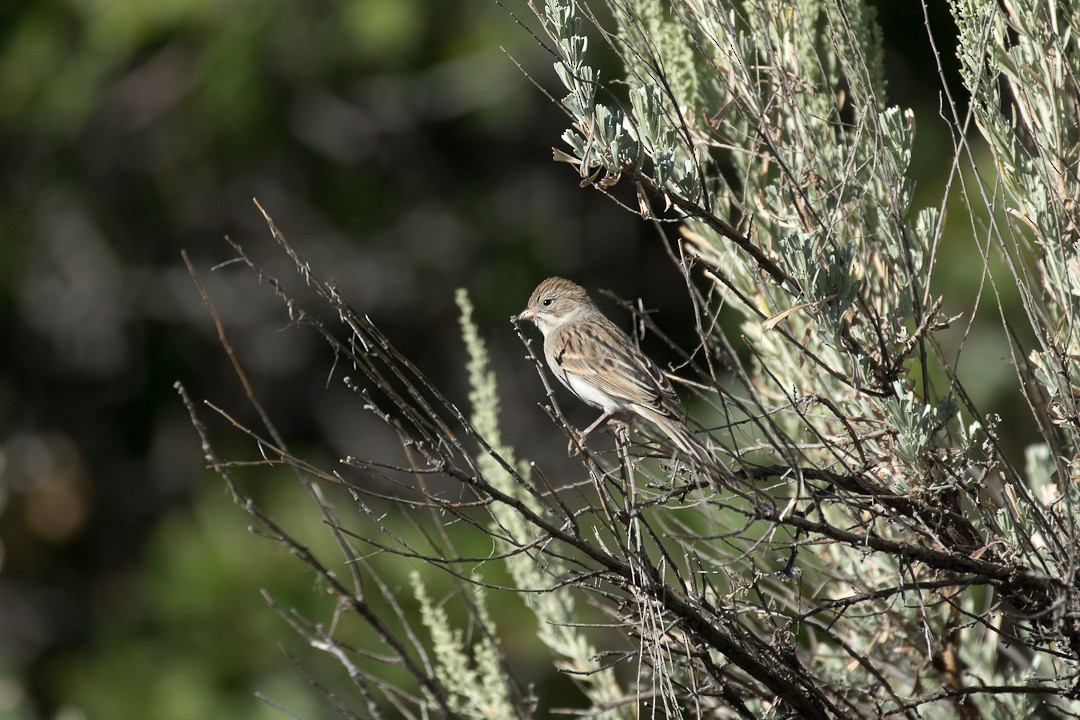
(580, 439)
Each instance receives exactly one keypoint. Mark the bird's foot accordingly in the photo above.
(620, 429)
(577, 441)
(576, 444)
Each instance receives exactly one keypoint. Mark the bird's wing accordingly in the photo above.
(601, 354)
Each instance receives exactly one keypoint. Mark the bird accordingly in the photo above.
(602, 366)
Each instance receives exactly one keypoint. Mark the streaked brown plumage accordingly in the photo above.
(599, 363)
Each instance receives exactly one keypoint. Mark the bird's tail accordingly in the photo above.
(685, 441)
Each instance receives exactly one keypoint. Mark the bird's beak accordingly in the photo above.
(526, 314)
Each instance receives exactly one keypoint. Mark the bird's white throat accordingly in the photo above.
(548, 322)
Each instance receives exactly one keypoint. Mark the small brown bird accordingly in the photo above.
(599, 363)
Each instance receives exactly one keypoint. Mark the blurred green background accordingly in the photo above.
(404, 155)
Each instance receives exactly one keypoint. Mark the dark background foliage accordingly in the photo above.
(403, 153)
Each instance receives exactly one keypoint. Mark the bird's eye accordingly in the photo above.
(547, 301)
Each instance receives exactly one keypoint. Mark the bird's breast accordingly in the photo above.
(589, 392)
